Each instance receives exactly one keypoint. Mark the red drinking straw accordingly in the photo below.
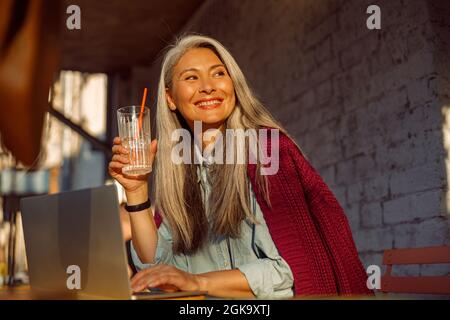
(141, 114)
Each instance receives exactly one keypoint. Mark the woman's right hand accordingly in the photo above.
(120, 159)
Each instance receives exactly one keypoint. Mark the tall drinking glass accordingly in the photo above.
(136, 137)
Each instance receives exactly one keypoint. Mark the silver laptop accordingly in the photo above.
(75, 248)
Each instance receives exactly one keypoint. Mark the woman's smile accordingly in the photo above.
(209, 104)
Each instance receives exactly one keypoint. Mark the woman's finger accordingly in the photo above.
(117, 140)
(116, 165)
(119, 149)
(152, 280)
(147, 273)
(141, 285)
(140, 275)
(153, 150)
(120, 159)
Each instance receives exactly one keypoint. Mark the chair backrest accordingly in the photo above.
(416, 284)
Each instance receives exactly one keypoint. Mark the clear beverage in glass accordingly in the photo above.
(136, 137)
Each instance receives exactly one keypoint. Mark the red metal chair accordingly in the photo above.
(416, 284)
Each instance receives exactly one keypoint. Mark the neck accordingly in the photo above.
(210, 137)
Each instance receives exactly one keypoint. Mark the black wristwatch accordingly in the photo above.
(138, 207)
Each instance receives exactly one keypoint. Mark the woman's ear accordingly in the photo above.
(170, 102)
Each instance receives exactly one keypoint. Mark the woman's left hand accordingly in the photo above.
(165, 277)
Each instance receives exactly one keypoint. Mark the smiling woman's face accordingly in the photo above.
(202, 89)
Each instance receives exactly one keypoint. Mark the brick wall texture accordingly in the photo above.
(367, 107)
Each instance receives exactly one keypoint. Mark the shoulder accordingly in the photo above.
(282, 143)
(284, 139)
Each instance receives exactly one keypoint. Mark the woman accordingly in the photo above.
(227, 228)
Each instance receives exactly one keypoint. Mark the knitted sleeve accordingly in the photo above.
(332, 223)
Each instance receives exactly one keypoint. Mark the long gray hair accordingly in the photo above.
(177, 193)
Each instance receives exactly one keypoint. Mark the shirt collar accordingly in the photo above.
(204, 162)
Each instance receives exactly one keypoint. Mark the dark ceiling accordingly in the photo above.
(117, 34)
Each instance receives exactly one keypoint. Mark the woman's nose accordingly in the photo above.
(206, 86)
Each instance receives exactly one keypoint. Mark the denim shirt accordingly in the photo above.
(253, 253)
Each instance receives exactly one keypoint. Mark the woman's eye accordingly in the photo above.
(220, 73)
(191, 78)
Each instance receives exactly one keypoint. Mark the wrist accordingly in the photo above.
(202, 282)
(137, 196)
(139, 207)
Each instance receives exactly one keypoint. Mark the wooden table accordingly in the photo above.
(24, 292)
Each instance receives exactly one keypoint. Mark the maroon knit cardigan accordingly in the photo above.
(308, 227)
